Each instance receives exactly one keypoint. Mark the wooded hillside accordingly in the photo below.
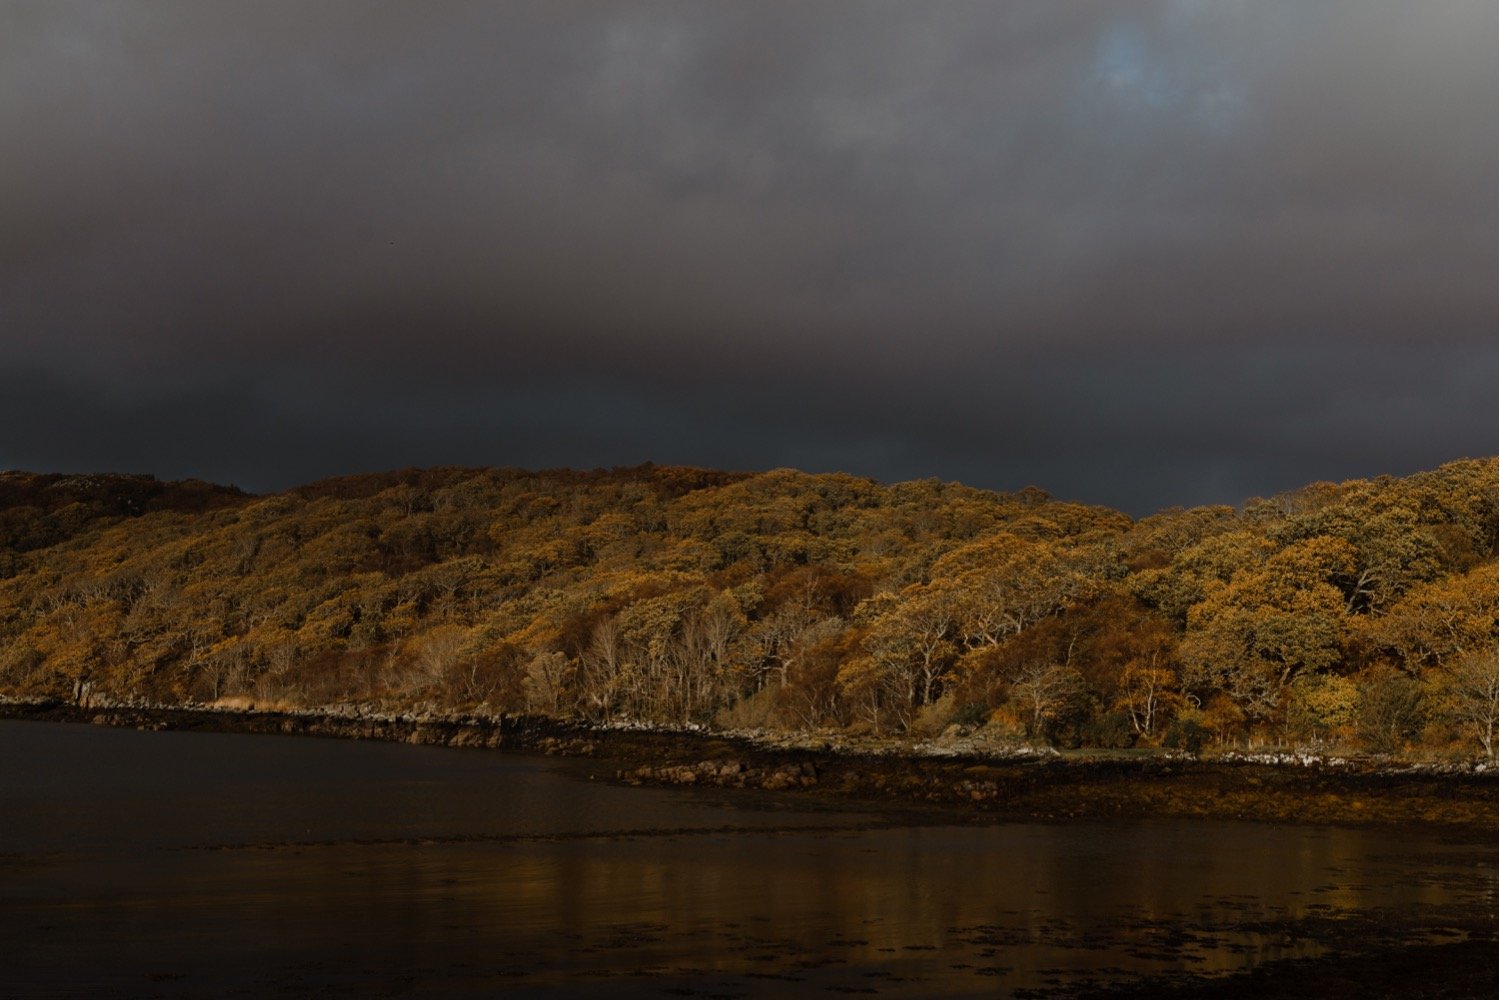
(1358, 614)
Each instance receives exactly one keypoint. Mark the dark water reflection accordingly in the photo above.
(174, 864)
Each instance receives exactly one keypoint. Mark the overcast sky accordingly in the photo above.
(1134, 253)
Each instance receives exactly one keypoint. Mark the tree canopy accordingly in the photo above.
(1354, 613)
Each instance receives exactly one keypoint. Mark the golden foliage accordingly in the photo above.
(675, 594)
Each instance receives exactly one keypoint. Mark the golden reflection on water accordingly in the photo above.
(922, 910)
(482, 875)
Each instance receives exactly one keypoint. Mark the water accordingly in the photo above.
(187, 864)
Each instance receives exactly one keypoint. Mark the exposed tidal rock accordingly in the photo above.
(725, 774)
(1282, 787)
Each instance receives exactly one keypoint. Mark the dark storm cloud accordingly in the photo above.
(1139, 253)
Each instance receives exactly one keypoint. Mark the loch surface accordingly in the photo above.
(181, 864)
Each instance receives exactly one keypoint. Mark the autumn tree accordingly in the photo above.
(1195, 570)
(1440, 620)
(1148, 692)
(998, 586)
(1249, 637)
(912, 646)
(1469, 696)
(1050, 699)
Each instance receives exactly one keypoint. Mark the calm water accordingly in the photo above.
(184, 864)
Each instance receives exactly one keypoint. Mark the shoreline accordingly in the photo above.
(966, 784)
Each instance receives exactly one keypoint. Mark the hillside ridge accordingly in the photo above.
(1341, 614)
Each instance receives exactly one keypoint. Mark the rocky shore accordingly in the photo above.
(958, 780)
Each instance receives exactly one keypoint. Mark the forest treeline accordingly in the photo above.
(1358, 615)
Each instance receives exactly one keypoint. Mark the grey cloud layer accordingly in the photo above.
(976, 241)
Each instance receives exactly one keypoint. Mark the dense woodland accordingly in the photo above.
(1351, 616)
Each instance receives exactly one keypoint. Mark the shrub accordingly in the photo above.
(973, 715)
(1186, 733)
(1112, 730)
(1390, 711)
